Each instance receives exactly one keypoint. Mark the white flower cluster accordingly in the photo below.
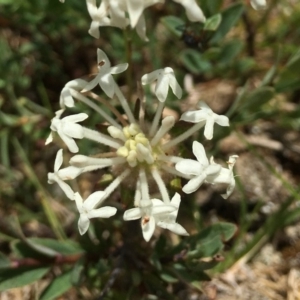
(121, 13)
(140, 153)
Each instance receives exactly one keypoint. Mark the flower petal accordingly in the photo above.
(174, 227)
(93, 199)
(49, 138)
(93, 83)
(258, 4)
(73, 130)
(69, 173)
(75, 118)
(222, 120)
(132, 214)
(83, 224)
(200, 154)
(213, 169)
(189, 167)
(79, 202)
(141, 28)
(58, 160)
(66, 188)
(118, 68)
(107, 83)
(102, 58)
(162, 88)
(177, 90)
(151, 77)
(103, 212)
(194, 184)
(135, 9)
(148, 228)
(209, 128)
(71, 144)
(194, 116)
(162, 209)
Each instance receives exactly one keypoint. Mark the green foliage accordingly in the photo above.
(44, 45)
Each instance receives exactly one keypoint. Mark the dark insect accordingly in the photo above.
(195, 38)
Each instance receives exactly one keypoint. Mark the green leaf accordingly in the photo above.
(229, 52)
(174, 24)
(77, 271)
(257, 98)
(194, 61)
(289, 78)
(57, 287)
(47, 247)
(167, 276)
(230, 17)
(4, 261)
(12, 278)
(213, 22)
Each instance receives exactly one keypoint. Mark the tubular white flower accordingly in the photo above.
(207, 115)
(224, 176)
(66, 98)
(88, 211)
(168, 221)
(165, 79)
(258, 4)
(104, 77)
(199, 169)
(99, 16)
(193, 11)
(67, 129)
(59, 177)
(148, 210)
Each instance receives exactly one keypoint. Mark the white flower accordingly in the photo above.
(67, 129)
(193, 11)
(66, 98)
(224, 176)
(205, 114)
(168, 221)
(165, 79)
(148, 210)
(104, 78)
(64, 174)
(258, 4)
(98, 15)
(199, 170)
(87, 210)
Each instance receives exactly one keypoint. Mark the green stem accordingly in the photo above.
(52, 218)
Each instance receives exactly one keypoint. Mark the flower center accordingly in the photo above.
(137, 148)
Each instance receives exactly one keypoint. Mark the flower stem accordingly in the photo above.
(115, 184)
(124, 104)
(183, 136)
(89, 103)
(100, 138)
(161, 185)
(144, 185)
(156, 118)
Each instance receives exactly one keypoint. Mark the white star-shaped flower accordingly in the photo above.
(199, 169)
(258, 4)
(87, 210)
(64, 174)
(67, 129)
(66, 98)
(168, 220)
(205, 114)
(193, 11)
(104, 77)
(224, 176)
(165, 79)
(147, 211)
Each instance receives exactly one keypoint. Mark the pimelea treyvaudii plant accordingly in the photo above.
(141, 154)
